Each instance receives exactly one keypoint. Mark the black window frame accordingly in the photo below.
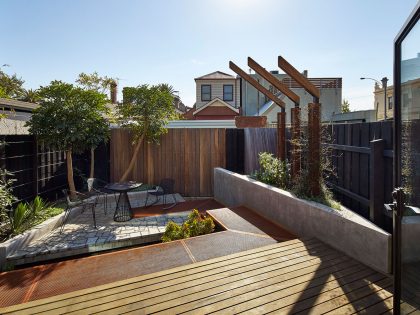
(202, 86)
(224, 98)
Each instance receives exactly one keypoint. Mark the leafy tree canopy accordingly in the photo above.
(65, 118)
(95, 82)
(30, 95)
(10, 85)
(345, 107)
(146, 110)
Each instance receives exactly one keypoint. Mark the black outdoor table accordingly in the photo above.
(123, 211)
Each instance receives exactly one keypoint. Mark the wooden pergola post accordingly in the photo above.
(314, 159)
(281, 135)
(314, 126)
(295, 151)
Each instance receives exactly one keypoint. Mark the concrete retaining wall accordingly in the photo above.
(341, 229)
(33, 234)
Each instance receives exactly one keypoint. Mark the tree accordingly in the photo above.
(30, 96)
(146, 111)
(11, 85)
(100, 128)
(64, 118)
(95, 82)
(345, 107)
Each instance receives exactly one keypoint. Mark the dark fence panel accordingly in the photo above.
(235, 150)
(258, 140)
(352, 166)
(38, 170)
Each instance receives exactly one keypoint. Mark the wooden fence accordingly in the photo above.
(186, 155)
(363, 165)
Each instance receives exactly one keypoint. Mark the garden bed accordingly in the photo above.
(341, 229)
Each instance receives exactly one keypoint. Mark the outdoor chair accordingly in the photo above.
(81, 200)
(165, 187)
(96, 187)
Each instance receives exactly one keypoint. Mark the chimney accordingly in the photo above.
(113, 90)
(305, 73)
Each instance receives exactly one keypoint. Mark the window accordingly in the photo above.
(405, 100)
(389, 102)
(228, 92)
(206, 92)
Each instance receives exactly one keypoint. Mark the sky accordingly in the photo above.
(175, 41)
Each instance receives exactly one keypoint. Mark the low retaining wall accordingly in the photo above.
(341, 229)
(34, 233)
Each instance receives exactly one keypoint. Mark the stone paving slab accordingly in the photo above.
(79, 235)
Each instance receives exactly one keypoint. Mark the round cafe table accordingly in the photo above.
(123, 211)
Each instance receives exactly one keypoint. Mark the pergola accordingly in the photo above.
(313, 116)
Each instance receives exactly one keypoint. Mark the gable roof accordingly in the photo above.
(217, 75)
(15, 104)
(214, 101)
(269, 105)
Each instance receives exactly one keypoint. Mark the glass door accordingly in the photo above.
(407, 171)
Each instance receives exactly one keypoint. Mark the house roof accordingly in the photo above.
(217, 75)
(214, 101)
(15, 104)
(270, 104)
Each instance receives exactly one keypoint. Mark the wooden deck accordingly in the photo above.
(297, 276)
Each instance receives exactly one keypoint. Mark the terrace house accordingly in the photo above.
(217, 97)
(255, 103)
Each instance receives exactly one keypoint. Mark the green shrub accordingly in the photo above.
(27, 215)
(194, 226)
(20, 217)
(6, 195)
(272, 171)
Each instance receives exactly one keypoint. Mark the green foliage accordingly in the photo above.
(20, 217)
(38, 205)
(30, 95)
(3, 93)
(272, 171)
(173, 232)
(345, 107)
(194, 226)
(27, 215)
(95, 82)
(146, 110)
(10, 85)
(277, 173)
(6, 194)
(69, 118)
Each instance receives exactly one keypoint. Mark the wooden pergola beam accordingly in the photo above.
(256, 84)
(273, 80)
(299, 78)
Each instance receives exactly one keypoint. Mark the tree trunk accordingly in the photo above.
(92, 163)
(133, 159)
(70, 179)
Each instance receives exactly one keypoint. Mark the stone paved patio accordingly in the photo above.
(79, 235)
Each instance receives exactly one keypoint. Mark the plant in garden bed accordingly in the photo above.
(277, 173)
(194, 226)
(28, 215)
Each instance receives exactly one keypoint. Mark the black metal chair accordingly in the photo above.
(165, 187)
(96, 187)
(82, 200)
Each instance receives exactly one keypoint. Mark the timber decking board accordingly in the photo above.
(289, 277)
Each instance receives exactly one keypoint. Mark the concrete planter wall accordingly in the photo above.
(33, 234)
(341, 229)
